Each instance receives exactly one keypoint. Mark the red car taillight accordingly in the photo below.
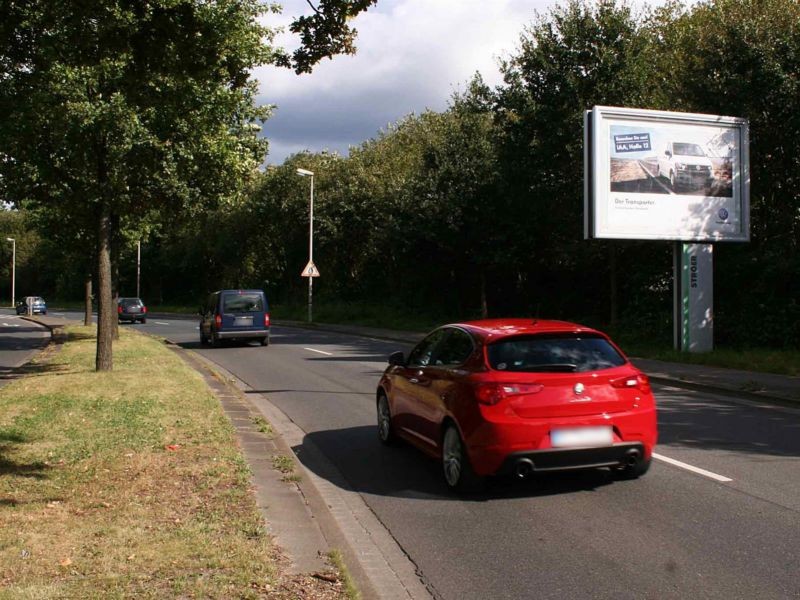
(492, 393)
(218, 321)
(119, 308)
(639, 382)
(144, 308)
(266, 319)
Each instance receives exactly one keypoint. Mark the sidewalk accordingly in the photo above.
(746, 384)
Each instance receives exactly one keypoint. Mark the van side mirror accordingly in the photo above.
(397, 359)
(668, 153)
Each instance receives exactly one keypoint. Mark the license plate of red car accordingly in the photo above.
(578, 437)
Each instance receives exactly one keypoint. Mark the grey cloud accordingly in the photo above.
(335, 121)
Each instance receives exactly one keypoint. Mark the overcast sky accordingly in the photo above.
(412, 55)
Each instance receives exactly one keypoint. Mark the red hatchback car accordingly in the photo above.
(518, 396)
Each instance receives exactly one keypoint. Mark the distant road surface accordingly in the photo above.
(19, 340)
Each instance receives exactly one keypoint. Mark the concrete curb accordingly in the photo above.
(56, 336)
(282, 503)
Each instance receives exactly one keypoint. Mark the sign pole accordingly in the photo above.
(311, 270)
(311, 251)
(13, 273)
(694, 297)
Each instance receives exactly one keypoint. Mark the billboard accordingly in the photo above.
(657, 175)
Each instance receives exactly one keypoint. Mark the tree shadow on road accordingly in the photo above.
(686, 419)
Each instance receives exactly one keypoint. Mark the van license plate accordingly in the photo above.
(243, 321)
(578, 437)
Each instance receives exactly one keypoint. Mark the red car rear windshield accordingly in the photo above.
(243, 303)
(553, 353)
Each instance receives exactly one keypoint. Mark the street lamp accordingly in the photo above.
(138, 266)
(13, 267)
(307, 173)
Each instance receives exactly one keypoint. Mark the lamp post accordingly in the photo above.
(306, 173)
(138, 265)
(13, 268)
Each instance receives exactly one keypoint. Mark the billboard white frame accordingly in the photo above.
(630, 142)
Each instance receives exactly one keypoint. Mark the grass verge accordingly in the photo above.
(129, 484)
(349, 583)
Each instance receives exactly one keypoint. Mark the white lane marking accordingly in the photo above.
(319, 351)
(58, 314)
(161, 323)
(697, 470)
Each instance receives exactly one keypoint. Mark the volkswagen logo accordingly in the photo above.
(578, 388)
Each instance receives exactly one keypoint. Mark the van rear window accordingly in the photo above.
(563, 353)
(242, 303)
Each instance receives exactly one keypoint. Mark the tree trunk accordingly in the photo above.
(115, 243)
(484, 304)
(106, 312)
(87, 313)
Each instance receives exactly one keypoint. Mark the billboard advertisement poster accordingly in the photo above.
(665, 176)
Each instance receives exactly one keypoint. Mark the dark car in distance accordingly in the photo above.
(518, 396)
(236, 315)
(131, 310)
(36, 304)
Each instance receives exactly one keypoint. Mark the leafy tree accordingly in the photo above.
(325, 33)
(575, 57)
(741, 58)
(124, 113)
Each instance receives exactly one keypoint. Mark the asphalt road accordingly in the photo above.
(19, 340)
(729, 531)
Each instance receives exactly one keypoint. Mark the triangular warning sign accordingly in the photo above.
(310, 270)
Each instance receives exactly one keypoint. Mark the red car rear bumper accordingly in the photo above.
(495, 445)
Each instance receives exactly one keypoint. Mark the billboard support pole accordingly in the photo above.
(693, 271)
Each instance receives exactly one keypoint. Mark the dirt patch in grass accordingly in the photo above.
(129, 484)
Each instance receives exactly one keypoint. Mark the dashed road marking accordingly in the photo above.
(691, 468)
(319, 351)
(161, 323)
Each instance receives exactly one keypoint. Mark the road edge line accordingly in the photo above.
(692, 468)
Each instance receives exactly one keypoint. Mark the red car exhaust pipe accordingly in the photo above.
(523, 468)
(631, 457)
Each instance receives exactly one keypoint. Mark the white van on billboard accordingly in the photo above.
(665, 175)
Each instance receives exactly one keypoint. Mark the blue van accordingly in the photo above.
(235, 315)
